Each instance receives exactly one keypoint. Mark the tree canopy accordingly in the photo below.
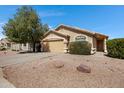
(25, 26)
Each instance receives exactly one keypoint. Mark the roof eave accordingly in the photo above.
(81, 30)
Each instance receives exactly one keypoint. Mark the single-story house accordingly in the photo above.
(24, 47)
(20, 47)
(58, 40)
(8, 44)
(5, 43)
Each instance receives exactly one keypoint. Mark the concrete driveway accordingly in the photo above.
(21, 58)
(3, 82)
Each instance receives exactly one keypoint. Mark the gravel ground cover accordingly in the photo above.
(7, 53)
(105, 72)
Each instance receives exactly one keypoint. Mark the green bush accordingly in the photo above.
(2, 48)
(13, 50)
(80, 47)
(115, 48)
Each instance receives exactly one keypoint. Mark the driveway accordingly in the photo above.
(22, 58)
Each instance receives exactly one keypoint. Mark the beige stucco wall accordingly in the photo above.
(105, 46)
(58, 46)
(73, 35)
(52, 36)
(91, 39)
(94, 47)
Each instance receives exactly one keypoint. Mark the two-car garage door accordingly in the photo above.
(56, 46)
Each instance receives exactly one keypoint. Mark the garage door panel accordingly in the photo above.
(56, 46)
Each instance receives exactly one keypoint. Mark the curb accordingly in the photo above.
(3, 82)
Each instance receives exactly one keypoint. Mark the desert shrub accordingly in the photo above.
(115, 48)
(2, 48)
(80, 47)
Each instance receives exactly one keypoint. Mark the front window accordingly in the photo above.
(80, 38)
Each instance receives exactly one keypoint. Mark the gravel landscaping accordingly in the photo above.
(7, 53)
(105, 72)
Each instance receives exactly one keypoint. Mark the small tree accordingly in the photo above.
(25, 27)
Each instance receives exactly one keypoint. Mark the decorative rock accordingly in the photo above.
(105, 62)
(58, 64)
(34, 67)
(87, 60)
(84, 68)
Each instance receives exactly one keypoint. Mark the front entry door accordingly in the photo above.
(100, 45)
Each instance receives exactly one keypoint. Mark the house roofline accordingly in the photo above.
(80, 30)
(57, 33)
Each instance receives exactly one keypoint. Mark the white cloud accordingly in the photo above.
(51, 13)
(2, 23)
(50, 26)
(1, 29)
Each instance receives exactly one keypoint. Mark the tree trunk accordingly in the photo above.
(34, 47)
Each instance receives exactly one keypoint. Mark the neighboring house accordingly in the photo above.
(5, 43)
(20, 47)
(58, 40)
(17, 46)
(25, 47)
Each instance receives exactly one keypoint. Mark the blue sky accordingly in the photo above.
(108, 20)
